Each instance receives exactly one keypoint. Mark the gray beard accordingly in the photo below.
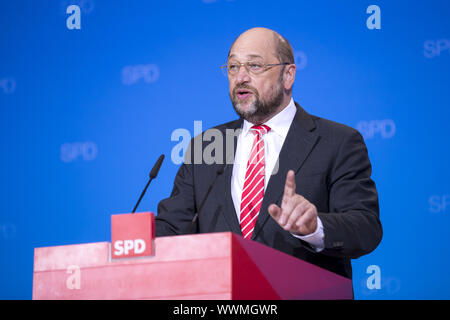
(259, 109)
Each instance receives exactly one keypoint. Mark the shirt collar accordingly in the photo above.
(279, 124)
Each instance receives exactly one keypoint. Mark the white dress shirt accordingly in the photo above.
(274, 139)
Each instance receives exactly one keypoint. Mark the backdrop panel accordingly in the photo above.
(90, 99)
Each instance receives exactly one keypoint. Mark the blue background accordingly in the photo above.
(78, 134)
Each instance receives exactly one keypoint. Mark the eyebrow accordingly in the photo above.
(248, 56)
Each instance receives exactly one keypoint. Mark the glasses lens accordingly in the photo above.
(233, 68)
(255, 67)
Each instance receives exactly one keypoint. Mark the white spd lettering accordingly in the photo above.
(126, 247)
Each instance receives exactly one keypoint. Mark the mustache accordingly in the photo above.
(253, 90)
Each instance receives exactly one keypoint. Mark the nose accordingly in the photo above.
(242, 76)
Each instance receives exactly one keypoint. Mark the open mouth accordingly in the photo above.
(243, 94)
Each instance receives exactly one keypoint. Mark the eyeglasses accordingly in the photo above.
(232, 68)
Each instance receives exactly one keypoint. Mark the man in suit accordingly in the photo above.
(296, 182)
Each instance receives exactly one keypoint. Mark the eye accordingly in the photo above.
(232, 67)
(255, 66)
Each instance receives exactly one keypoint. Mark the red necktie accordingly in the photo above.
(253, 191)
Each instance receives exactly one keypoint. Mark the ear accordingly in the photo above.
(289, 76)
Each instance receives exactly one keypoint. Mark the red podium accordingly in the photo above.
(204, 266)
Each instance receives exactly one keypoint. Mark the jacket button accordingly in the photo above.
(338, 244)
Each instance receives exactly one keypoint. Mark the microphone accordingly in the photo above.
(219, 171)
(153, 175)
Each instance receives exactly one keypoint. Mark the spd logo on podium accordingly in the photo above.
(132, 235)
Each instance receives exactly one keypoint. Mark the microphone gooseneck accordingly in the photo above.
(219, 171)
(152, 175)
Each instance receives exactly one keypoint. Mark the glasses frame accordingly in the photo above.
(266, 66)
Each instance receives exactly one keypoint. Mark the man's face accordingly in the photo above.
(255, 96)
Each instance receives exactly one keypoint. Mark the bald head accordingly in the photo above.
(263, 38)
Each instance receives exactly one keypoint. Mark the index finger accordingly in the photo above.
(289, 187)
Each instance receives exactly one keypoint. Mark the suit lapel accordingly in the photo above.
(223, 194)
(298, 144)
(227, 201)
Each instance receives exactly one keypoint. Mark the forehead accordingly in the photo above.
(253, 46)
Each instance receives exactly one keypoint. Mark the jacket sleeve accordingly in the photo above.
(352, 228)
(175, 213)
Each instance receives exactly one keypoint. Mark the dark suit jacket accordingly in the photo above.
(332, 171)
